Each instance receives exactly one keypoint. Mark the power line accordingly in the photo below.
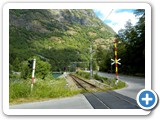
(108, 14)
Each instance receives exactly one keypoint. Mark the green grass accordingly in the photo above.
(83, 74)
(20, 91)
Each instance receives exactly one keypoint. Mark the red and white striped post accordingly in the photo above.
(116, 59)
(33, 71)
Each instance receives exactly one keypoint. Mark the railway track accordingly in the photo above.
(105, 100)
(84, 84)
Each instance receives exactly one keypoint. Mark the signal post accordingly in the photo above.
(32, 64)
(116, 60)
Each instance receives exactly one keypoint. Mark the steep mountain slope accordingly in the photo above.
(61, 36)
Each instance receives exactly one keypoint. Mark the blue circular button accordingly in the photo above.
(147, 99)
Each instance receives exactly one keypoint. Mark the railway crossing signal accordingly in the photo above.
(113, 61)
(30, 63)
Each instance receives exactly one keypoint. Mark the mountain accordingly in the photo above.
(62, 37)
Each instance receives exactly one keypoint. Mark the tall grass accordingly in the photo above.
(42, 89)
(19, 89)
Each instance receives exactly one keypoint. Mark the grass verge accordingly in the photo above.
(20, 91)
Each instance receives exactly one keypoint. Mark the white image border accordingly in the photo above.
(8, 6)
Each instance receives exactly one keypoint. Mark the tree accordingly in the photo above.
(42, 69)
(133, 38)
(104, 58)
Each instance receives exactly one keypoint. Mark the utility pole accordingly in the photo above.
(91, 71)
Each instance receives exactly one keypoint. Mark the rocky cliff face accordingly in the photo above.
(44, 20)
(55, 32)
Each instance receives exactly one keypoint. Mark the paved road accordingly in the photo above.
(75, 102)
(134, 84)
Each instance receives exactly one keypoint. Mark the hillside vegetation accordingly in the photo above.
(60, 37)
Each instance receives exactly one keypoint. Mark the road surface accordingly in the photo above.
(75, 102)
(134, 84)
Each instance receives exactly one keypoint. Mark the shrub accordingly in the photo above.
(42, 69)
(83, 74)
(97, 77)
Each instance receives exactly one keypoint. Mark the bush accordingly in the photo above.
(26, 72)
(42, 69)
(83, 74)
(97, 77)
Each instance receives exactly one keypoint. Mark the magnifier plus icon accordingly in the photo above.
(147, 99)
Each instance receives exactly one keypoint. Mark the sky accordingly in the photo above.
(116, 18)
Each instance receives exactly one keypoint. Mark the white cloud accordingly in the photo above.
(118, 19)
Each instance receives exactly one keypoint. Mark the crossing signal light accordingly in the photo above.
(30, 63)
